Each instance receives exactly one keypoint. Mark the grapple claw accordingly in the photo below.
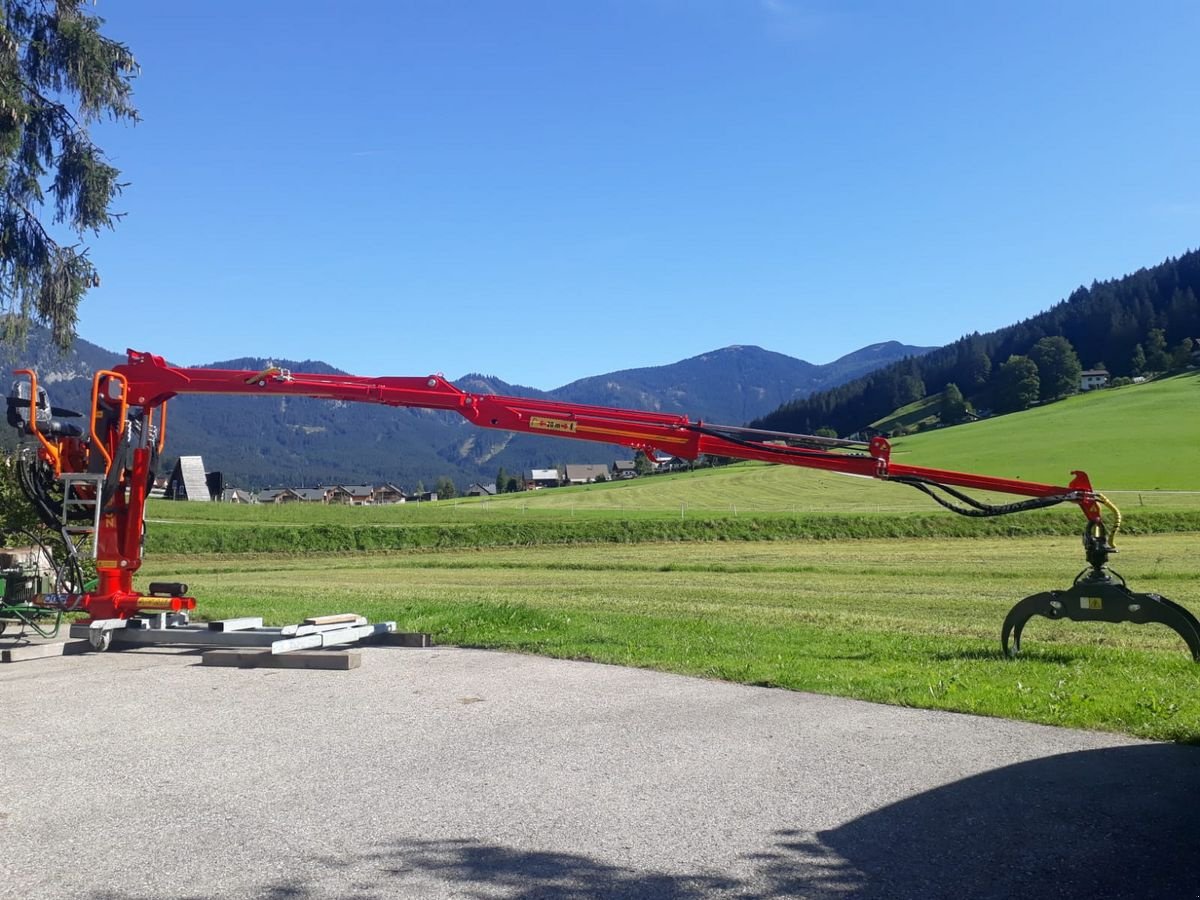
(1097, 597)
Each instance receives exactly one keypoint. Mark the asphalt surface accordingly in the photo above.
(459, 773)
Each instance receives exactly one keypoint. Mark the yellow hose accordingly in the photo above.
(1112, 535)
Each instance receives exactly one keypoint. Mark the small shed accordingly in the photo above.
(187, 481)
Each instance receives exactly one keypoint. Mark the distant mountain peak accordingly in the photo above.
(261, 441)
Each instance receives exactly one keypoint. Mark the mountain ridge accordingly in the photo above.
(296, 441)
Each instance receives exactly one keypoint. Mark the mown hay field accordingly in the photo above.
(905, 621)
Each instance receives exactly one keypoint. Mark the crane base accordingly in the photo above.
(1098, 596)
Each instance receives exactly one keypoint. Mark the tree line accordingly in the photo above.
(1143, 323)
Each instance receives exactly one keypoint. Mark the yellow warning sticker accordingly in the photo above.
(1091, 603)
(157, 603)
(545, 424)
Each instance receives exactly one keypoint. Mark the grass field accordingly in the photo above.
(745, 489)
(909, 622)
(1144, 437)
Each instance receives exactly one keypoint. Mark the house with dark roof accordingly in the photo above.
(360, 494)
(665, 462)
(387, 493)
(586, 474)
(351, 494)
(311, 495)
(278, 495)
(624, 468)
(481, 490)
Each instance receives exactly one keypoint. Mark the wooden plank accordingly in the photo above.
(338, 619)
(343, 660)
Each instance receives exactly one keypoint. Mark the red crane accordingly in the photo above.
(105, 474)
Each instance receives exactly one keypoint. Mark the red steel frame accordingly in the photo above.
(148, 382)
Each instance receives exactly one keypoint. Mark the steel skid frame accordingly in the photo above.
(176, 628)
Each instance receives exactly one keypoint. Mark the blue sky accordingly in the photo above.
(548, 190)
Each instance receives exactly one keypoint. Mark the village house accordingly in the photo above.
(586, 474)
(481, 490)
(278, 495)
(387, 493)
(1090, 379)
(311, 495)
(350, 494)
(664, 462)
(541, 478)
(360, 494)
(624, 468)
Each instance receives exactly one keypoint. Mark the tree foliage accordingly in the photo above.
(1018, 385)
(1058, 367)
(1181, 354)
(642, 463)
(1137, 363)
(16, 512)
(1106, 321)
(954, 408)
(58, 76)
(1157, 357)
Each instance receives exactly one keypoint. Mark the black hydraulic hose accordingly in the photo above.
(977, 508)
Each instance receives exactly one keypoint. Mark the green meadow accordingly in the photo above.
(907, 621)
(770, 575)
(1137, 439)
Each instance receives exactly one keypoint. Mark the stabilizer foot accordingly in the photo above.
(1101, 598)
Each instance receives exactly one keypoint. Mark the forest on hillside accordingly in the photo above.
(1143, 323)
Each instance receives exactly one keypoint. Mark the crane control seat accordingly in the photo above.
(49, 419)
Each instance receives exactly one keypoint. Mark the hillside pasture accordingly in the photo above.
(1142, 438)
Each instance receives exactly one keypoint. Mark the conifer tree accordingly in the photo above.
(58, 76)
(1138, 363)
(1157, 357)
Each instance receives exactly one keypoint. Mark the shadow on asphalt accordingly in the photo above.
(1118, 822)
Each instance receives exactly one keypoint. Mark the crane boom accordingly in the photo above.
(151, 382)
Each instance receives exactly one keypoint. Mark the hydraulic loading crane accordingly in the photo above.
(96, 483)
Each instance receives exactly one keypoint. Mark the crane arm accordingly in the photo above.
(151, 382)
